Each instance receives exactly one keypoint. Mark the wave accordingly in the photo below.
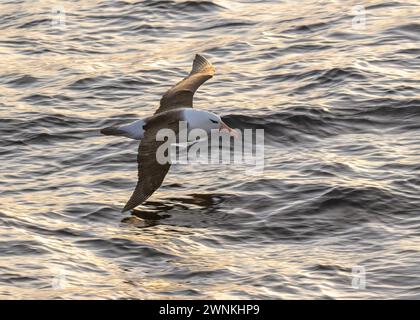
(184, 6)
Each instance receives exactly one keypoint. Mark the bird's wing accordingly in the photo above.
(181, 95)
(150, 172)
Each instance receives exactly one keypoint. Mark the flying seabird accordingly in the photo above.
(176, 105)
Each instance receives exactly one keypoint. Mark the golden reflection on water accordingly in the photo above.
(149, 55)
(40, 211)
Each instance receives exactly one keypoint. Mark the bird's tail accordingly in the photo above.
(113, 131)
(132, 130)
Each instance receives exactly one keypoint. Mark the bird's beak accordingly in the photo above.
(232, 132)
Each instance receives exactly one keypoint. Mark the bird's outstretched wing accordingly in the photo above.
(181, 95)
(150, 172)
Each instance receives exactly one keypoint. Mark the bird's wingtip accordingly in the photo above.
(201, 64)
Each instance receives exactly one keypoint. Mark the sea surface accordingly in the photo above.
(336, 212)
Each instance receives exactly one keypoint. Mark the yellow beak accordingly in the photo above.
(232, 132)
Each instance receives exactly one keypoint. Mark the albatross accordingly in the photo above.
(176, 105)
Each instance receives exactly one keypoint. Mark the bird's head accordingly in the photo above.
(207, 121)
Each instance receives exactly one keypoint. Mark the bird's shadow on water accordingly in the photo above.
(152, 213)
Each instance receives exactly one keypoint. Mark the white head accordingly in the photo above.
(201, 119)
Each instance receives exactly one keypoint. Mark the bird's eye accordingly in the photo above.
(214, 121)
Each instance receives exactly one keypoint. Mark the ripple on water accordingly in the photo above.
(339, 107)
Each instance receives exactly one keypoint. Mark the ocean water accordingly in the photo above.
(336, 212)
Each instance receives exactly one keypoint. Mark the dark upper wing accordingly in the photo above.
(150, 172)
(181, 94)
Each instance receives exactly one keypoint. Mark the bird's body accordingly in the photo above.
(175, 107)
(196, 119)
